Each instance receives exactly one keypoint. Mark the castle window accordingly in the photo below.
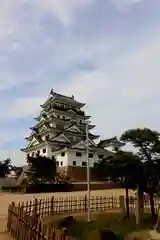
(61, 163)
(116, 149)
(47, 137)
(63, 154)
(57, 164)
(90, 155)
(101, 156)
(52, 149)
(53, 158)
(78, 154)
(44, 150)
(32, 154)
(84, 164)
(64, 118)
(38, 152)
(74, 163)
(28, 155)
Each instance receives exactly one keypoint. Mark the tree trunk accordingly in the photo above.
(152, 204)
(127, 204)
(141, 201)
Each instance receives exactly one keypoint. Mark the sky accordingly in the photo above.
(104, 52)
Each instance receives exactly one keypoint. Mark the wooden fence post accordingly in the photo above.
(85, 203)
(122, 204)
(10, 210)
(112, 202)
(34, 216)
(52, 205)
(9, 218)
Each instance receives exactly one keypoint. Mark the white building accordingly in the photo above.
(60, 132)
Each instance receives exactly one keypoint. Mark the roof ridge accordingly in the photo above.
(60, 95)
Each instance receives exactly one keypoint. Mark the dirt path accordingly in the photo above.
(4, 236)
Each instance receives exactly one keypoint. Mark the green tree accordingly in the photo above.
(42, 169)
(122, 167)
(147, 146)
(5, 167)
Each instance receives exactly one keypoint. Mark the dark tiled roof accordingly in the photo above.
(60, 95)
(108, 141)
(57, 95)
(13, 182)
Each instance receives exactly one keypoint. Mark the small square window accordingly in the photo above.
(52, 149)
(116, 149)
(90, 155)
(44, 150)
(32, 154)
(78, 154)
(101, 156)
(63, 154)
(47, 137)
(57, 164)
(74, 163)
(84, 164)
(38, 152)
(61, 163)
(28, 155)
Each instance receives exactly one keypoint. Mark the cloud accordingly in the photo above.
(15, 155)
(64, 10)
(8, 23)
(25, 107)
(106, 58)
(123, 5)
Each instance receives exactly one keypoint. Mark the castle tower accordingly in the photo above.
(111, 144)
(60, 132)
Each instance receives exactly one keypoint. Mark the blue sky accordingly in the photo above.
(105, 52)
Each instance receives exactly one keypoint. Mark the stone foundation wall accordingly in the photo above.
(79, 173)
(94, 186)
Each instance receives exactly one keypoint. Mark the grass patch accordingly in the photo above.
(81, 229)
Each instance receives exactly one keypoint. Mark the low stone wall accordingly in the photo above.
(79, 173)
(94, 186)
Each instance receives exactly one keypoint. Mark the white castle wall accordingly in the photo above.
(70, 156)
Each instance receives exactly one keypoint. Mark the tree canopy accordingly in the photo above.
(122, 167)
(42, 169)
(145, 141)
(5, 167)
(142, 167)
(147, 146)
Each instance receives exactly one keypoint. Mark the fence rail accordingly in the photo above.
(146, 204)
(61, 205)
(24, 220)
(24, 227)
